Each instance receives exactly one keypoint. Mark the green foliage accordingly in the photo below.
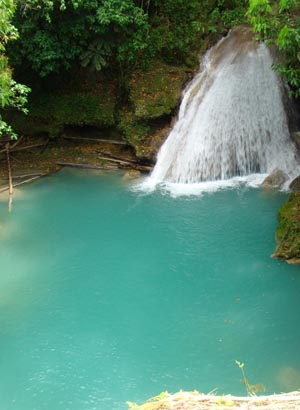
(120, 39)
(251, 389)
(175, 25)
(58, 34)
(7, 30)
(55, 35)
(180, 25)
(12, 94)
(96, 55)
(278, 23)
(228, 14)
(129, 23)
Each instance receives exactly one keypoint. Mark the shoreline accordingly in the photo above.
(34, 158)
(199, 401)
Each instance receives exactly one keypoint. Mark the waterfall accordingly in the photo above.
(232, 121)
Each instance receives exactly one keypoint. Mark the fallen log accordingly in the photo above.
(94, 140)
(23, 182)
(14, 145)
(27, 175)
(17, 142)
(28, 147)
(132, 161)
(127, 164)
(88, 166)
(15, 159)
(12, 149)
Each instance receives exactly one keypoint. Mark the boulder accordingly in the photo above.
(275, 180)
(296, 138)
(295, 184)
(132, 174)
(156, 92)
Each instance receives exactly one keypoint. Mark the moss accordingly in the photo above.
(156, 92)
(152, 93)
(288, 232)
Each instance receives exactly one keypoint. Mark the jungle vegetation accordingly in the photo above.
(42, 40)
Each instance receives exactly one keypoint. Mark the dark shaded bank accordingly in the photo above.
(95, 103)
(43, 156)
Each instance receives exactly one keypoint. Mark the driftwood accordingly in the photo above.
(132, 161)
(9, 149)
(36, 174)
(17, 142)
(128, 164)
(29, 147)
(88, 166)
(23, 182)
(14, 149)
(94, 140)
(15, 159)
(13, 145)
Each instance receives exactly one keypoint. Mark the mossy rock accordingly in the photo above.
(288, 232)
(145, 137)
(156, 92)
(135, 132)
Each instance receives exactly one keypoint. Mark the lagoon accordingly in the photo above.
(108, 294)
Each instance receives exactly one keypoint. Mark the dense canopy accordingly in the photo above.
(42, 38)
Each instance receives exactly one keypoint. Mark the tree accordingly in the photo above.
(56, 35)
(12, 94)
(278, 22)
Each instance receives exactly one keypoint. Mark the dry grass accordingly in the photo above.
(199, 401)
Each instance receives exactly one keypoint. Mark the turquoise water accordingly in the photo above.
(108, 295)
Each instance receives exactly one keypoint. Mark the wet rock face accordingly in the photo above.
(275, 180)
(157, 91)
(132, 174)
(296, 138)
(295, 184)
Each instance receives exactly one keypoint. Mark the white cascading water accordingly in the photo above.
(232, 120)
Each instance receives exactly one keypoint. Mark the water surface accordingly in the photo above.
(109, 295)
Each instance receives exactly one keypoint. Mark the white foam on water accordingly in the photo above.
(180, 189)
